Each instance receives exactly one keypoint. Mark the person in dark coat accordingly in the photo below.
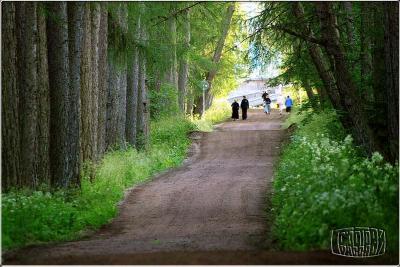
(235, 110)
(264, 95)
(245, 106)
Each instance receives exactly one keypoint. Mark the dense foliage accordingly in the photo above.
(323, 183)
(344, 55)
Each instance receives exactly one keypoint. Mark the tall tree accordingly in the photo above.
(94, 98)
(86, 88)
(226, 23)
(75, 34)
(103, 77)
(173, 71)
(57, 39)
(143, 103)
(391, 48)
(345, 84)
(26, 17)
(10, 150)
(43, 94)
(184, 62)
(132, 90)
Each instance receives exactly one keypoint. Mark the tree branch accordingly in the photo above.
(176, 13)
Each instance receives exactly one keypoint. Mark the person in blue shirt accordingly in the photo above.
(288, 104)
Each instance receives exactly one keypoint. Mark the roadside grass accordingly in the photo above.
(45, 215)
(218, 112)
(323, 183)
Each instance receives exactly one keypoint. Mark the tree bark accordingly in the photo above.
(57, 39)
(173, 72)
(123, 22)
(320, 63)
(132, 92)
(311, 97)
(112, 105)
(143, 102)
(366, 60)
(391, 48)
(86, 88)
(348, 7)
(94, 98)
(103, 77)
(26, 17)
(184, 63)
(75, 33)
(347, 89)
(43, 125)
(10, 150)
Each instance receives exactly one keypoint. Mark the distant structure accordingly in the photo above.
(253, 90)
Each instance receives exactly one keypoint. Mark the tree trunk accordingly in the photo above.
(366, 61)
(75, 32)
(319, 61)
(391, 49)
(311, 97)
(43, 125)
(348, 7)
(123, 22)
(216, 58)
(173, 71)
(102, 78)
(112, 105)
(57, 39)
(347, 89)
(184, 63)
(143, 103)
(132, 92)
(10, 150)
(26, 17)
(86, 88)
(94, 98)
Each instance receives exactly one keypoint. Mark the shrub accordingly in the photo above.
(322, 183)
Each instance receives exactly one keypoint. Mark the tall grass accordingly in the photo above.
(31, 217)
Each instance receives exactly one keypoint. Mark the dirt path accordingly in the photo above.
(210, 210)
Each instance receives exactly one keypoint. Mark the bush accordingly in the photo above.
(322, 183)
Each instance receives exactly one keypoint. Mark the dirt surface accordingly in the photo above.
(209, 211)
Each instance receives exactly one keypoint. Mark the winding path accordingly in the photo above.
(209, 211)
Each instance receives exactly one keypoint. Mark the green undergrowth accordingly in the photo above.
(32, 217)
(323, 183)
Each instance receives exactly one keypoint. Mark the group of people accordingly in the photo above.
(244, 105)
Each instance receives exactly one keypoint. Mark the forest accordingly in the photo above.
(80, 79)
(98, 97)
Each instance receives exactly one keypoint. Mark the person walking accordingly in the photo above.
(288, 104)
(267, 105)
(235, 110)
(245, 106)
(264, 95)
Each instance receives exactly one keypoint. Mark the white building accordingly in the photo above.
(253, 89)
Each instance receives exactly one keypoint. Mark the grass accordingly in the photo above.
(323, 183)
(32, 217)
